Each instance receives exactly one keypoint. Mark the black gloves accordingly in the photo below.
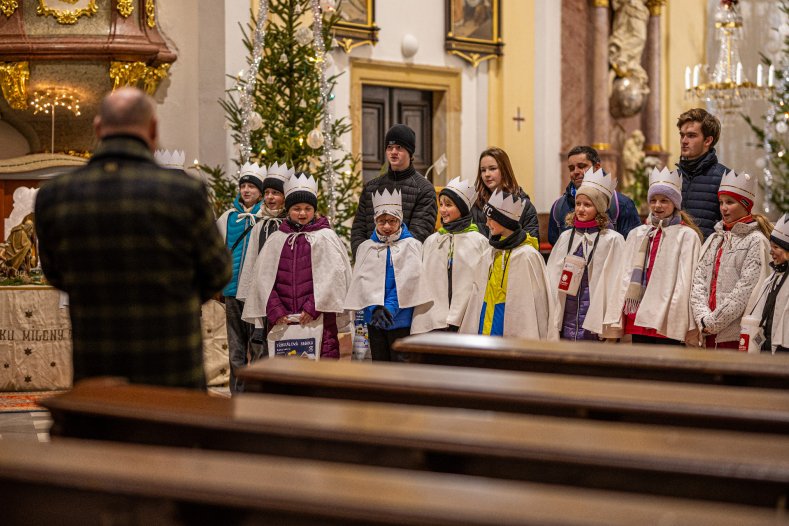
(382, 318)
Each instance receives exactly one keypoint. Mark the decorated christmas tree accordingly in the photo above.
(280, 109)
(772, 130)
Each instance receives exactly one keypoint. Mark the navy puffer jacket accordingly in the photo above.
(701, 179)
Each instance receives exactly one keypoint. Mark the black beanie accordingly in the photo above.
(300, 196)
(402, 135)
(500, 218)
(459, 202)
(274, 183)
(252, 179)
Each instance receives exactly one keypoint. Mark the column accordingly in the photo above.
(651, 112)
(602, 117)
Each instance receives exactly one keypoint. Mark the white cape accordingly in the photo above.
(780, 333)
(665, 306)
(530, 307)
(604, 315)
(331, 274)
(253, 252)
(471, 252)
(369, 275)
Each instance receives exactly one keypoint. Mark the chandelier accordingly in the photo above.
(725, 84)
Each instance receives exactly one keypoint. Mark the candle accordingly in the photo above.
(771, 76)
(759, 76)
(696, 72)
(738, 74)
(687, 78)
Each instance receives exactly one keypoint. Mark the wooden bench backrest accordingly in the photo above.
(721, 407)
(646, 362)
(679, 462)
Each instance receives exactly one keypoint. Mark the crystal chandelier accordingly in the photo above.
(725, 85)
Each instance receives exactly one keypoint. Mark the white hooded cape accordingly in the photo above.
(331, 274)
(665, 306)
(471, 251)
(253, 252)
(369, 275)
(530, 307)
(605, 271)
(780, 332)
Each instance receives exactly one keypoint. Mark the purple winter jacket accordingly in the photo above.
(293, 290)
(576, 307)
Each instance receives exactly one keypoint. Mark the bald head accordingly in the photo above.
(127, 111)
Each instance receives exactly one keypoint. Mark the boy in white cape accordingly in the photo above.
(500, 306)
(659, 261)
(451, 258)
(387, 279)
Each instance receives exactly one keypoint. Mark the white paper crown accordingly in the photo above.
(174, 160)
(781, 230)
(599, 181)
(511, 206)
(740, 184)
(388, 203)
(665, 177)
(464, 190)
(280, 171)
(254, 170)
(301, 183)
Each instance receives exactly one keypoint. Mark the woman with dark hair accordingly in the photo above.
(495, 173)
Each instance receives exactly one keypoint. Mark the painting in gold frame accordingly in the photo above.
(474, 29)
(356, 24)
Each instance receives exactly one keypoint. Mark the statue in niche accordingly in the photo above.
(18, 253)
(630, 83)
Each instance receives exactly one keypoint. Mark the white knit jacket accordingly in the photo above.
(743, 268)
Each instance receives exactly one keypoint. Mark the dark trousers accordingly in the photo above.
(240, 349)
(654, 340)
(381, 344)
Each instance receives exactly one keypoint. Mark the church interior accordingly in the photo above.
(479, 430)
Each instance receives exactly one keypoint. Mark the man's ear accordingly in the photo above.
(596, 166)
(708, 141)
(153, 133)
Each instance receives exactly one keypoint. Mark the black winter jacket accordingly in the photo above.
(701, 179)
(420, 208)
(528, 219)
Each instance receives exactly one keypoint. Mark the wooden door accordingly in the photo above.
(381, 108)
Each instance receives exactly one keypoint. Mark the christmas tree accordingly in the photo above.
(772, 130)
(286, 115)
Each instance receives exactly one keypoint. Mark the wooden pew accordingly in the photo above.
(611, 399)
(712, 465)
(83, 483)
(644, 362)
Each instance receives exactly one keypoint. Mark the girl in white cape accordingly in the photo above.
(303, 271)
(451, 258)
(771, 312)
(387, 278)
(592, 313)
(511, 294)
(733, 264)
(659, 261)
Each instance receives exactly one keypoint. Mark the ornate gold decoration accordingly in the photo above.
(66, 17)
(347, 43)
(601, 146)
(8, 7)
(125, 7)
(475, 58)
(136, 73)
(655, 6)
(653, 148)
(150, 12)
(599, 3)
(13, 80)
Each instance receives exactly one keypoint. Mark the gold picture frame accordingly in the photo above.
(356, 24)
(67, 16)
(474, 29)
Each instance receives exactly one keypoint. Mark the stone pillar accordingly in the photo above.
(651, 115)
(602, 117)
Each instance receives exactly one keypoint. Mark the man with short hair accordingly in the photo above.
(135, 247)
(418, 194)
(701, 172)
(622, 212)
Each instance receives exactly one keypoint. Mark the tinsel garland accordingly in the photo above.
(247, 101)
(328, 139)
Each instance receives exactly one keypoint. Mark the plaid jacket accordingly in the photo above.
(136, 249)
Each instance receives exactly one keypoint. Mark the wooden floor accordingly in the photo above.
(25, 426)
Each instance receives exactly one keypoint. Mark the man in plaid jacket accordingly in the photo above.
(135, 247)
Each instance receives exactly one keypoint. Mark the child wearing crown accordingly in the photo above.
(585, 266)
(733, 264)
(387, 279)
(302, 273)
(659, 261)
(450, 259)
(771, 311)
(235, 225)
(500, 306)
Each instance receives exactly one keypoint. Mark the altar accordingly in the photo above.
(35, 340)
